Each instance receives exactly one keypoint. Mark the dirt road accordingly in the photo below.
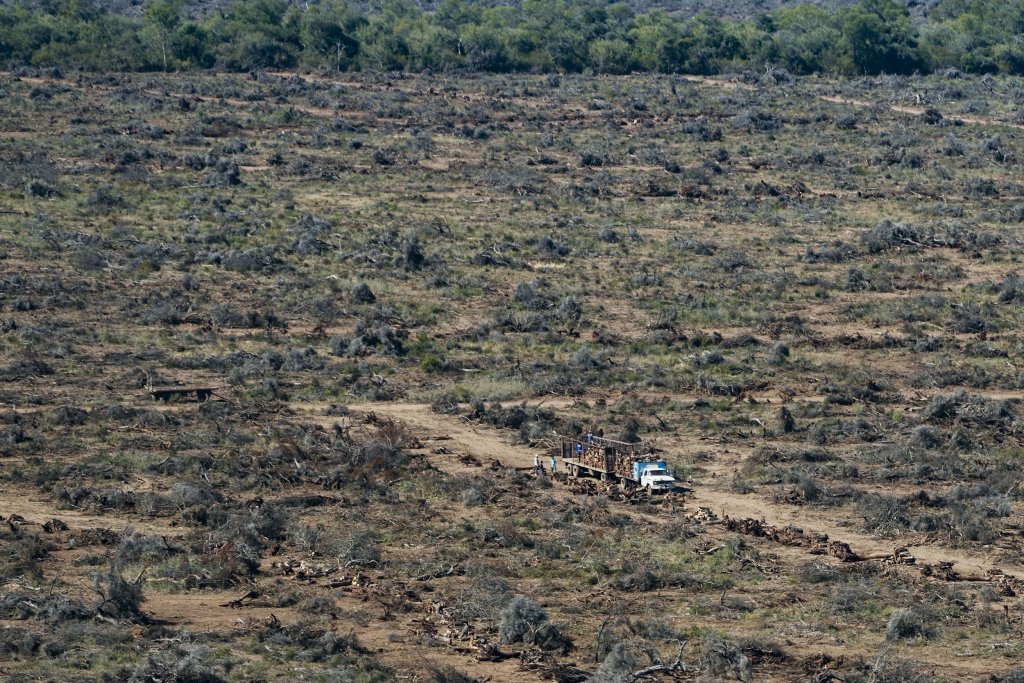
(461, 435)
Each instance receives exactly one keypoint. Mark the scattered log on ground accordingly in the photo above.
(818, 543)
(470, 460)
(54, 525)
(238, 603)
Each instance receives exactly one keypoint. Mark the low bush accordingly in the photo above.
(618, 666)
(725, 660)
(524, 621)
(907, 623)
(119, 598)
(181, 665)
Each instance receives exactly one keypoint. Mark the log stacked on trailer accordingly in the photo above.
(594, 456)
(604, 454)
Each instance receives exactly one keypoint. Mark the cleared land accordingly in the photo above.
(400, 289)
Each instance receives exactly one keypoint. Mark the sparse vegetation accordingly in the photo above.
(393, 291)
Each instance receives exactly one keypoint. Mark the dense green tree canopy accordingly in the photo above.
(874, 36)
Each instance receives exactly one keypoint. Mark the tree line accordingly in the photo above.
(873, 36)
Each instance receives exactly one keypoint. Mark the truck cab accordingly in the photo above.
(654, 476)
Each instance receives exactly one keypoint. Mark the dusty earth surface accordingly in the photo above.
(402, 289)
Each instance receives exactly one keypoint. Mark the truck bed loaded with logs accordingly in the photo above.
(609, 460)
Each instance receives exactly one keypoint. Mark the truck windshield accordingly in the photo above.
(658, 473)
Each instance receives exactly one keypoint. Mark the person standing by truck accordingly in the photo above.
(536, 464)
(554, 465)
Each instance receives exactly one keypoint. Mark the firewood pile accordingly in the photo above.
(54, 525)
(615, 492)
(592, 487)
(842, 552)
(1008, 585)
(82, 537)
(815, 543)
(470, 460)
(702, 515)
(444, 625)
(303, 569)
(821, 544)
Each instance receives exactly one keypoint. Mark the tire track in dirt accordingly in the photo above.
(38, 511)
(321, 112)
(479, 441)
(206, 612)
(854, 102)
(917, 111)
(816, 519)
(487, 443)
(461, 435)
(318, 112)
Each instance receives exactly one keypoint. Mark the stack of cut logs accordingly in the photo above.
(820, 544)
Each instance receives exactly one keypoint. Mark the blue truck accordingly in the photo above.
(617, 461)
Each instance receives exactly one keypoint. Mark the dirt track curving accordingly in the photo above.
(486, 443)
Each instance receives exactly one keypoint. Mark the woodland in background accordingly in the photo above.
(546, 36)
